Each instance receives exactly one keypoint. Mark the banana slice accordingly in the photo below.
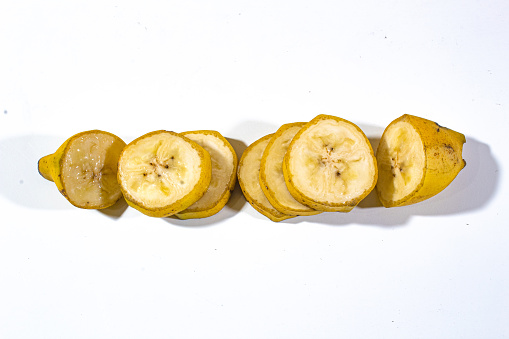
(417, 159)
(272, 180)
(330, 165)
(248, 174)
(162, 173)
(84, 168)
(224, 174)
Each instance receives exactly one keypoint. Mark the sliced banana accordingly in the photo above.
(248, 175)
(84, 168)
(162, 173)
(272, 180)
(401, 162)
(224, 174)
(417, 159)
(330, 165)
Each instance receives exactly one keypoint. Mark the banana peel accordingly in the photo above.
(84, 169)
(417, 159)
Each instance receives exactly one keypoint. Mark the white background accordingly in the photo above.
(438, 269)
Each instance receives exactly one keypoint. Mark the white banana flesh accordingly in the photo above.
(401, 161)
(222, 160)
(160, 169)
(272, 178)
(248, 177)
(331, 163)
(89, 169)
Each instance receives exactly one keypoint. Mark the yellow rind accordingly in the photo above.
(218, 205)
(269, 191)
(443, 159)
(184, 202)
(326, 206)
(262, 206)
(50, 167)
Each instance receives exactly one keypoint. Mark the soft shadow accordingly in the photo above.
(231, 208)
(471, 190)
(251, 131)
(239, 146)
(116, 210)
(20, 181)
(371, 200)
(237, 200)
(219, 217)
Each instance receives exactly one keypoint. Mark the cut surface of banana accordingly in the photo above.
(272, 180)
(84, 168)
(401, 161)
(248, 175)
(417, 158)
(224, 174)
(330, 165)
(162, 173)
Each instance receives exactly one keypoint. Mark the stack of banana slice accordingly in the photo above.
(303, 168)
(162, 173)
(328, 165)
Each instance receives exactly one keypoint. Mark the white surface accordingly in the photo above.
(439, 269)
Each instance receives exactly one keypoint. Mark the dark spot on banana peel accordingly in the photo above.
(449, 148)
(63, 192)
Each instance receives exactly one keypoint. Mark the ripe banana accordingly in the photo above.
(417, 159)
(224, 174)
(84, 168)
(248, 175)
(272, 180)
(330, 165)
(162, 173)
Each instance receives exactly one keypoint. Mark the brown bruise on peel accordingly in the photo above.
(438, 126)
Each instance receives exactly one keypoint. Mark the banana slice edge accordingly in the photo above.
(165, 180)
(224, 174)
(330, 165)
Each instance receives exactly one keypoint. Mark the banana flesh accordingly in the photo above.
(163, 173)
(84, 168)
(89, 169)
(401, 161)
(330, 165)
(417, 159)
(224, 173)
(272, 179)
(248, 176)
